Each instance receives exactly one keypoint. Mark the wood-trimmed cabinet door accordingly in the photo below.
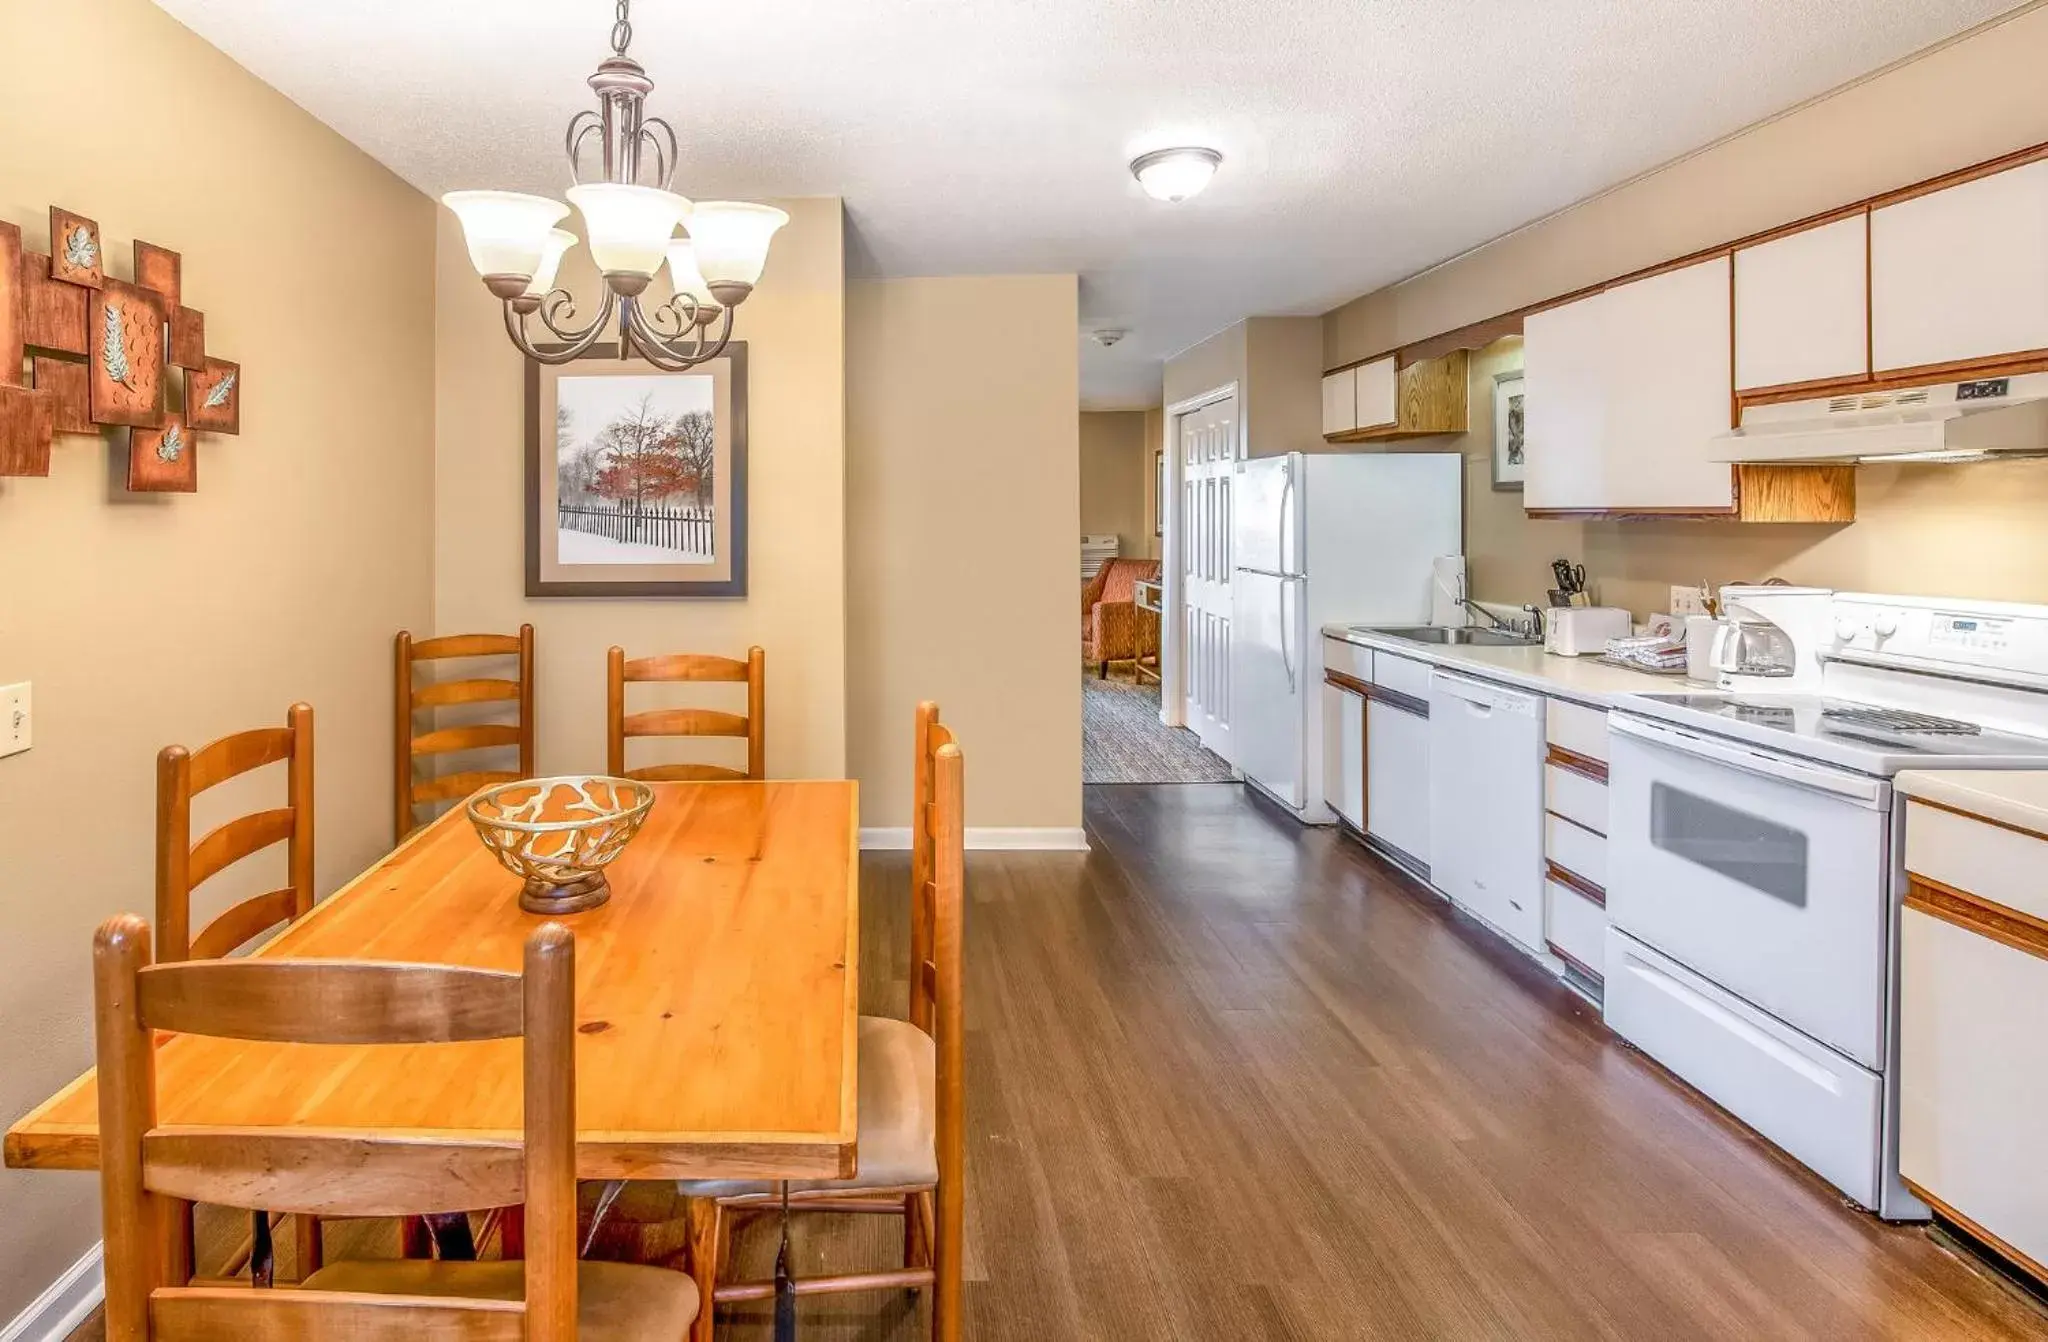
(1962, 273)
(1802, 307)
(1340, 401)
(1344, 754)
(1397, 779)
(1667, 386)
(1379, 394)
(1564, 405)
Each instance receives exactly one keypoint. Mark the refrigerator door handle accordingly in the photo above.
(1286, 660)
(1290, 548)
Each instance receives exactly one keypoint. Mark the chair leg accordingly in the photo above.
(311, 1256)
(948, 1230)
(512, 1232)
(1102, 670)
(707, 1242)
(917, 1245)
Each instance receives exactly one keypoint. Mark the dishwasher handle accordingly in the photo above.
(1481, 699)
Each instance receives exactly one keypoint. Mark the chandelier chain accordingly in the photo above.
(622, 29)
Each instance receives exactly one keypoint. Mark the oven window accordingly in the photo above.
(1759, 853)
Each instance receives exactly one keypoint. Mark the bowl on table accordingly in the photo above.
(559, 834)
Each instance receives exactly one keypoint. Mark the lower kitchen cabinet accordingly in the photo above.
(1397, 779)
(1344, 753)
(1973, 1058)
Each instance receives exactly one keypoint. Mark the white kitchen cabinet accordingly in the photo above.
(1344, 753)
(1397, 780)
(1486, 802)
(1802, 311)
(1564, 405)
(1973, 1078)
(1625, 393)
(1379, 394)
(1961, 273)
(1340, 401)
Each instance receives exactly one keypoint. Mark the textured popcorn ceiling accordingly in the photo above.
(1364, 139)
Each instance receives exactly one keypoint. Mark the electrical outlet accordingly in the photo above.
(1688, 600)
(15, 719)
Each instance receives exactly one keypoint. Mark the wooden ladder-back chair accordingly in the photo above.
(411, 698)
(710, 722)
(182, 865)
(912, 1101)
(549, 1297)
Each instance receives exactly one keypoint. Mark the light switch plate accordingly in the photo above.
(16, 719)
(1688, 601)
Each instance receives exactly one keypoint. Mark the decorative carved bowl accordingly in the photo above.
(559, 833)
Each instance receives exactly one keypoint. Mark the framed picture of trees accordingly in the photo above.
(636, 479)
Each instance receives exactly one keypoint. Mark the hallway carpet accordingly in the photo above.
(1123, 740)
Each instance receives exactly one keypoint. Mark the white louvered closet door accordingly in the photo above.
(1208, 444)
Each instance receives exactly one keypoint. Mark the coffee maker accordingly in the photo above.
(1771, 637)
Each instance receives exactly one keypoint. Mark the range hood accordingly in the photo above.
(1955, 421)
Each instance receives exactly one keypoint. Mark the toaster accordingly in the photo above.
(1583, 631)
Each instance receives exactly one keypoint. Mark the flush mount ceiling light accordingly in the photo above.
(1175, 174)
(515, 246)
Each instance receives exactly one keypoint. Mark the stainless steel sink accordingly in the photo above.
(1430, 633)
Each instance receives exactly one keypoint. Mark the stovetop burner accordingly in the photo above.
(1899, 720)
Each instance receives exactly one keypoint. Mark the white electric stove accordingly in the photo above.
(1755, 865)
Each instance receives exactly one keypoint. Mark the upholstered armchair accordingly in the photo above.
(1113, 629)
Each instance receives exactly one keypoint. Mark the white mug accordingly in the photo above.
(1701, 642)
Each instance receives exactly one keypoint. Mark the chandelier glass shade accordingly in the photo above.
(630, 220)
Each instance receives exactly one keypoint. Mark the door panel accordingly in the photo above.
(1397, 774)
(1208, 447)
(1344, 762)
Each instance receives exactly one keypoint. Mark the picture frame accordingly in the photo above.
(1509, 460)
(1158, 492)
(636, 478)
(76, 256)
(163, 461)
(213, 397)
(125, 328)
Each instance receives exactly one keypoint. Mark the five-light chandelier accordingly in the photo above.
(517, 248)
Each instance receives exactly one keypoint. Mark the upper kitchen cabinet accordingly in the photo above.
(1623, 394)
(1802, 311)
(1961, 274)
(1380, 400)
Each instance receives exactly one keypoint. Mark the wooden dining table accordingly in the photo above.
(716, 1002)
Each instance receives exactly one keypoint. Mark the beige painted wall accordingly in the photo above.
(1931, 530)
(1116, 479)
(147, 621)
(963, 508)
(1155, 442)
(1219, 359)
(795, 331)
(1276, 363)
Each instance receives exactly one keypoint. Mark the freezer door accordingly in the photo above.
(1269, 511)
(1268, 678)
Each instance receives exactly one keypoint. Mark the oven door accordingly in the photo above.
(1764, 873)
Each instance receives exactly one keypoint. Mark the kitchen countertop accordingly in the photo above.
(2016, 797)
(1585, 680)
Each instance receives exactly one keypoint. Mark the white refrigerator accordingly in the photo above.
(1322, 539)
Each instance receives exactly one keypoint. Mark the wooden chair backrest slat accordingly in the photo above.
(212, 1313)
(181, 865)
(144, 1171)
(289, 1170)
(938, 867)
(699, 668)
(331, 1001)
(410, 697)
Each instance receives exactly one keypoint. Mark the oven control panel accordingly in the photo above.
(1988, 636)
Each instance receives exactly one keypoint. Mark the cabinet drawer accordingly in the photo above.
(1576, 925)
(1347, 659)
(1578, 850)
(1400, 673)
(1575, 797)
(1973, 1077)
(1821, 1108)
(1988, 861)
(1579, 729)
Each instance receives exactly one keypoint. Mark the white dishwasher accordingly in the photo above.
(1486, 802)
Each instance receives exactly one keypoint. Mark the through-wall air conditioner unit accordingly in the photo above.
(1954, 421)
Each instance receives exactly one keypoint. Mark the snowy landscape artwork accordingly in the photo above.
(635, 469)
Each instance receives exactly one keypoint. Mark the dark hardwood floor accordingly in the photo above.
(1235, 1080)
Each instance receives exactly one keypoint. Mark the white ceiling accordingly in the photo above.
(1364, 139)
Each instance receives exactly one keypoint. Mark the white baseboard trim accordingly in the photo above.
(984, 838)
(58, 1311)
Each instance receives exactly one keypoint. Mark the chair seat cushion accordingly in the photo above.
(898, 1134)
(613, 1300)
